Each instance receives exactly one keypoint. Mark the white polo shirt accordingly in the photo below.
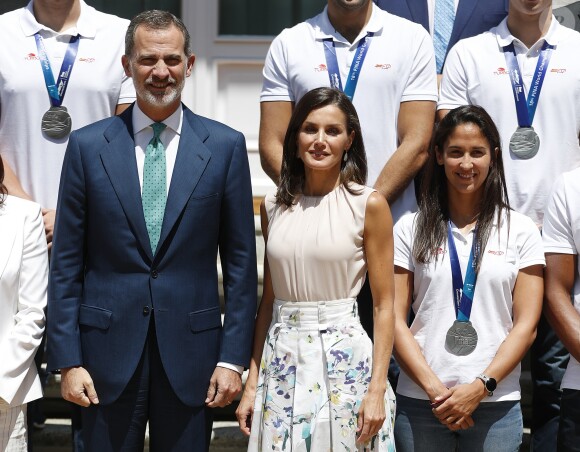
(399, 66)
(97, 84)
(506, 253)
(561, 235)
(476, 73)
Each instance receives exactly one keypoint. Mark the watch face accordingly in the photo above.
(490, 384)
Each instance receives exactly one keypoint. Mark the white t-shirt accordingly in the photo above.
(399, 66)
(476, 73)
(561, 234)
(506, 253)
(97, 84)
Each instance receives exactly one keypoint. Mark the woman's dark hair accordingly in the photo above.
(292, 171)
(3, 190)
(433, 215)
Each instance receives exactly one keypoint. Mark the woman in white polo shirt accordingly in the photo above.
(471, 270)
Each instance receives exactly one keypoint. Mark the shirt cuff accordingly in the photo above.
(238, 369)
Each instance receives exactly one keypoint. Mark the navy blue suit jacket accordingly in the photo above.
(105, 280)
(472, 17)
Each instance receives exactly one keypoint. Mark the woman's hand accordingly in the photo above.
(245, 410)
(438, 393)
(371, 415)
(455, 412)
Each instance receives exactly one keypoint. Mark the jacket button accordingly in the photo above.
(154, 274)
(146, 310)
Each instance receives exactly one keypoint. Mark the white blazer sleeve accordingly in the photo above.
(23, 331)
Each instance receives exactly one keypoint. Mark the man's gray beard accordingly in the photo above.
(165, 100)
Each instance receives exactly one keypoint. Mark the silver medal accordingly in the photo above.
(461, 338)
(56, 122)
(525, 143)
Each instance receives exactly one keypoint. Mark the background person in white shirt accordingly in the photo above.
(561, 238)
(97, 88)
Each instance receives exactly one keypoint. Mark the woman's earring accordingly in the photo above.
(345, 156)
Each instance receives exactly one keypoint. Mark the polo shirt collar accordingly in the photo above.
(86, 26)
(504, 37)
(141, 121)
(324, 29)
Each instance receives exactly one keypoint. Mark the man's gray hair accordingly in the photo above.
(155, 20)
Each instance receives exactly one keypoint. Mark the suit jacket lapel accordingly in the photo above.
(7, 237)
(190, 163)
(464, 12)
(121, 166)
(420, 12)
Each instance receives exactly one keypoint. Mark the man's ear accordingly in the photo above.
(190, 62)
(126, 65)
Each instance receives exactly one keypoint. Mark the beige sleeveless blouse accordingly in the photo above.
(315, 248)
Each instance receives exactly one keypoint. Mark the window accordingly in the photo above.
(9, 5)
(264, 17)
(124, 8)
(128, 8)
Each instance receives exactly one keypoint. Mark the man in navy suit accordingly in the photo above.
(472, 17)
(146, 201)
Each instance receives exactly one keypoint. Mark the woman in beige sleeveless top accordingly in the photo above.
(316, 380)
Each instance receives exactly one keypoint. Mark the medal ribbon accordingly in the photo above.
(526, 108)
(462, 290)
(355, 68)
(56, 91)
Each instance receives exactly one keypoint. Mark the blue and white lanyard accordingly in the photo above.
(526, 108)
(462, 290)
(355, 68)
(56, 91)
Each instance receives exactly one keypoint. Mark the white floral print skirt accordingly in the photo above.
(315, 370)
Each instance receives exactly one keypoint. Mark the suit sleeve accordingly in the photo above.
(67, 264)
(20, 346)
(237, 247)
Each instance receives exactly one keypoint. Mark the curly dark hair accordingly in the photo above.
(433, 214)
(292, 171)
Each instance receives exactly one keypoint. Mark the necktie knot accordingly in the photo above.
(158, 127)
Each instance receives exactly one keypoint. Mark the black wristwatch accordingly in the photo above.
(489, 383)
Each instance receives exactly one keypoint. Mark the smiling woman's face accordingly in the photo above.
(466, 157)
(323, 139)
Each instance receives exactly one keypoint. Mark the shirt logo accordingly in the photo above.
(501, 71)
(31, 57)
(558, 71)
(383, 66)
(440, 251)
(87, 60)
(321, 68)
(496, 253)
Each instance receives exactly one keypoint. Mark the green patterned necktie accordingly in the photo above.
(154, 195)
